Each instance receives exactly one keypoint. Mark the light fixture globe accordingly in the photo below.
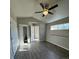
(45, 12)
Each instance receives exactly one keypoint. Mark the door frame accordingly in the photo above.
(21, 34)
(33, 34)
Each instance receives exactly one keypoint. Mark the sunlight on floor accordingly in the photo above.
(25, 47)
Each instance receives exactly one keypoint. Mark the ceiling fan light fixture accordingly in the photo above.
(45, 12)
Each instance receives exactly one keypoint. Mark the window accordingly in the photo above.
(64, 26)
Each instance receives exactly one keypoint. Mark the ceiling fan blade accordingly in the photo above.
(50, 13)
(42, 5)
(43, 15)
(39, 12)
(46, 5)
(53, 7)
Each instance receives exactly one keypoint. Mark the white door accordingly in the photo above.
(35, 33)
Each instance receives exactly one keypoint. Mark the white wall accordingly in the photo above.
(21, 35)
(58, 37)
(32, 33)
(14, 36)
(37, 32)
(42, 31)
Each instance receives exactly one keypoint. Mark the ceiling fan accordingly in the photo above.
(46, 9)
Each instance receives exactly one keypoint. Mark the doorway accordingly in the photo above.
(25, 35)
(35, 32)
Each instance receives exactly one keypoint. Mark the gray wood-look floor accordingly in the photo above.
(41, 50)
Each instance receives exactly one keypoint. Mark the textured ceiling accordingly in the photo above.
(26, 8)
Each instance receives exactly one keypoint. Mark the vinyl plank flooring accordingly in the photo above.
(41, 50)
